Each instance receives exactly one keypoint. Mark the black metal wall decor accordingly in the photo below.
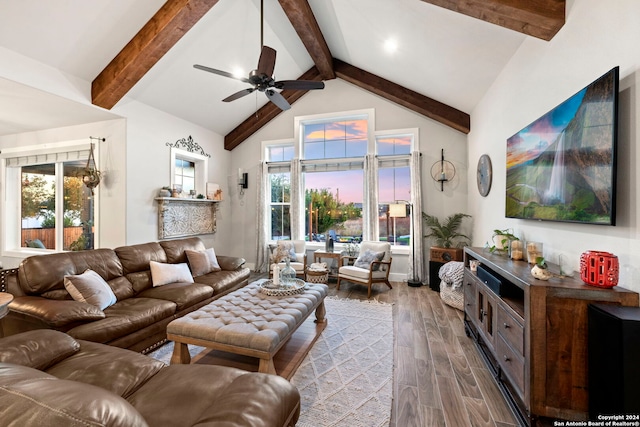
(188, 144)
(443, 170)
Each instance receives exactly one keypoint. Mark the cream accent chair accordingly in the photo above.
(282, 249)
(377, 272)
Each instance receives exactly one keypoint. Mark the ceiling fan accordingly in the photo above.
(262, 77)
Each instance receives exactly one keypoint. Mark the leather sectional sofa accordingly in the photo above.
(138, 320)
(48, 378)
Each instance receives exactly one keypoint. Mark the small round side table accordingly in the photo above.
(5, 299)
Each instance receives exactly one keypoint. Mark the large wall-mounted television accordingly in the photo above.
(562, 167)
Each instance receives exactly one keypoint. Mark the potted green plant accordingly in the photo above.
(448, 239)
(539, 270)
(501, 240)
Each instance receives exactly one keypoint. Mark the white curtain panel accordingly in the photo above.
(297, 200)
(370, 223)
(262, 255)
(416, 261)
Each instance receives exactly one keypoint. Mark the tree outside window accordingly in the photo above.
(38, 206)
(333, 201)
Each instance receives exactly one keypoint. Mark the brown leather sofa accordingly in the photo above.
(48, 378)
(138, 320)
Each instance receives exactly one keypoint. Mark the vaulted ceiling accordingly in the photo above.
(447, 53)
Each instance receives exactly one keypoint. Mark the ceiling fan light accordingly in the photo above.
(238, 73)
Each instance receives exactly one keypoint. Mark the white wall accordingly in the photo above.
(149, 169)
(339, 96)
(596, 37)
(134, 158)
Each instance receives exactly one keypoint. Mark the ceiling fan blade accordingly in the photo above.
(220, 73)
(238, 94)
(277, 99)
(267, 61)
(299, 84)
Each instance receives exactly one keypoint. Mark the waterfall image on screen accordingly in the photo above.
(562, 166)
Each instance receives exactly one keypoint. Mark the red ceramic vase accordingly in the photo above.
(599, 269)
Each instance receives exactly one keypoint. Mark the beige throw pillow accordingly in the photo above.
(91, 288)
(202, 262)
(163, 274)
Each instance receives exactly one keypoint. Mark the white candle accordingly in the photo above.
(240, 172)
(276, 275)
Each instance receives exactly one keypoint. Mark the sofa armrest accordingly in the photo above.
(34, 398)
(230, 263)
(56, 313)
(37, 349)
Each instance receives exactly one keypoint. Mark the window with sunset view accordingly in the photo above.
(332, 152)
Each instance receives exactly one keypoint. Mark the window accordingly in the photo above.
(189, 172)
(333, 166)
(333, 150)
(394, 185)
(48, 206)
(335, 139)
(279, 155)
(185, 175)
(280, 205)
(280, 152)
(333, 201)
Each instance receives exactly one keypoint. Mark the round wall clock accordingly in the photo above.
(485, 174)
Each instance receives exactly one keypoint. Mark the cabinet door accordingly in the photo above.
(486, 314)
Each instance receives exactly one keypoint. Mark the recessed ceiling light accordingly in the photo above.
(390, 45)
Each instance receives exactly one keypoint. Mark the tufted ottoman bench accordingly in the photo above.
(246, 322)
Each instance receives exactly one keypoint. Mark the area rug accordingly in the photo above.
(347, 377)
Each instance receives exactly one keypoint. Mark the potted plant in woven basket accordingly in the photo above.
(448, 239)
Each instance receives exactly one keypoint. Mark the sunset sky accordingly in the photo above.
(349, 139)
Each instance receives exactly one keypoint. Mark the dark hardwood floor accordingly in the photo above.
(440, 378)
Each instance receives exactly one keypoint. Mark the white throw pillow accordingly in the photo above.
(202, 262)
(91, 288)
(163, 274)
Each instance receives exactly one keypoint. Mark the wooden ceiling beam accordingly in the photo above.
(537, 18)
(304, 22)
(265, 114)
(145, 49)
(414, 101)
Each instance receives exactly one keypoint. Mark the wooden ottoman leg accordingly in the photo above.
(180, 354)
(266, 366)
(320, 313)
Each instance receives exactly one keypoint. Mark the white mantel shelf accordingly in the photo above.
(181, 217)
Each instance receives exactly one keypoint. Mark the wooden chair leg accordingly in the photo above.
(338, 285)
(388, 284)
(369, 293)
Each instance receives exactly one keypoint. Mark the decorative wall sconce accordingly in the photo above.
(443, 170)
(91, 175)
(243, 180)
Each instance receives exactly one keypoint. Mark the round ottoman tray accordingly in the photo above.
(271, 289)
